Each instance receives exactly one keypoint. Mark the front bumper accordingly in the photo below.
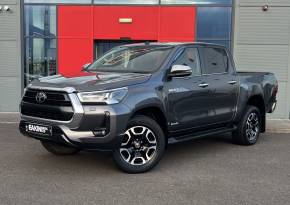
(91, 127)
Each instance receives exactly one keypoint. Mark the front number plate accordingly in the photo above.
(39, 129)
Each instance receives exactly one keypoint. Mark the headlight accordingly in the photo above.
(104, 97)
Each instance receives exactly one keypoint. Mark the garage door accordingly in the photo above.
(262, 43)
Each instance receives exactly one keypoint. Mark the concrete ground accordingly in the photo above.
(206, 171)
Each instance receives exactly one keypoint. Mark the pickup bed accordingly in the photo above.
(136, 99)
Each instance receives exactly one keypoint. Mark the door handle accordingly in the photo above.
(203, 85)
(232, 82)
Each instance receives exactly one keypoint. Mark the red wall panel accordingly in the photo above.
(75, 42)
(143, 27)
(79, 26)
(75, 22)
(177, 24)
(73, 54)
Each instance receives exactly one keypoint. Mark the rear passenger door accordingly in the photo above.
(218, 73)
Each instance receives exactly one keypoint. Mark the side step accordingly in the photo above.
(201, 134)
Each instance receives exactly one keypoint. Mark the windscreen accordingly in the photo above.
(137, 59)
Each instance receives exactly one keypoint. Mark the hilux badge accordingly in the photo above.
(40, 97)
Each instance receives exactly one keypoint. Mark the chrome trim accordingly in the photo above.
(76, 104)
(76, 136)
(67, 141)
(181, 68)
(203, 85)
(66, 89)
(273, 107)
(232, 82)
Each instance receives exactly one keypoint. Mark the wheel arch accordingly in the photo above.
(156, 113)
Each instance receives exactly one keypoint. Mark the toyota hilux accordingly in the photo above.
(136, 99)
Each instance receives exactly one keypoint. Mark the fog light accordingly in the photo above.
(103, 129)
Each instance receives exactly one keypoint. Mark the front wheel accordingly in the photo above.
(142, 146)
(249, 128)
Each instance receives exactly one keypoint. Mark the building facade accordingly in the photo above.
(261, 43)
(59, 36)
(10, 55)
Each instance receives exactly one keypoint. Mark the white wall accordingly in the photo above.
(262, 43)
(10, 56)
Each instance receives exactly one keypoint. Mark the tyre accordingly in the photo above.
(59, 149)
(142, 146)
(249, 128)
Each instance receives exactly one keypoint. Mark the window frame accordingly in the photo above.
(56, 2)
(197, 2)
(117, 3)
(179, 52)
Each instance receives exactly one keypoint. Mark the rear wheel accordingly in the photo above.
(249, 128)
(142, 146)
(59, 149)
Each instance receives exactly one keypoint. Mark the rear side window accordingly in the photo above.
(215, 60)
(189, 57)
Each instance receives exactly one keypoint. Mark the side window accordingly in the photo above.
(190, 58)
(215, 60)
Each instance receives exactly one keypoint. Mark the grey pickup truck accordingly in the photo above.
(136, 99)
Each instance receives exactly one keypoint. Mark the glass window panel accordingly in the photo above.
(52, 21)
(214, 23)
(40, 21)
(196, 1)
(215, 60)
(126, 2)
(59, 1)
(40, 58)
(190, 58)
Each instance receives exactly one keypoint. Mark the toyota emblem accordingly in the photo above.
(40, 97)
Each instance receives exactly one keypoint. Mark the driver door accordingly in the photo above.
(187, 106)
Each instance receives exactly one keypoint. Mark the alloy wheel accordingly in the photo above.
(252, 126)
(138, 145)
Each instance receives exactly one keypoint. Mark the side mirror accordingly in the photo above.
(85, 66)
(180, 71)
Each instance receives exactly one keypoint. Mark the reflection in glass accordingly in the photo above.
(214, 23)
(59, 1)
(196, 1)
(40, 58)
(40, 21)
(126, 2)
(131, 1)
(102, 46)
(40, 41)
